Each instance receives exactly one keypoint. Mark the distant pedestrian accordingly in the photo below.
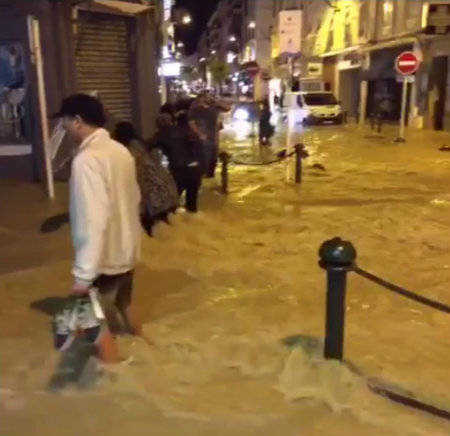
(170, 109)
(266, 129)
(203, 120)
(104, 210)
(185, 154)
(158, 189)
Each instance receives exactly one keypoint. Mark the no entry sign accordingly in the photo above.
(252, 68)
(407, 63)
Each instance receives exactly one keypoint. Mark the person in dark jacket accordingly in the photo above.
(184, 152)
(158, 189)
(266, 130)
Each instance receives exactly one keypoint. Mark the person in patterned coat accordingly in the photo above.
(158, 189)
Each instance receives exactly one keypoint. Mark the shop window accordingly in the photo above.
(363, 20)
(12, 94)
(413, 13)
(387, 14)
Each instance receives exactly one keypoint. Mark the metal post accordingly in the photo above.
(401, 137)
(225, 158)
(379, 123)
(298, 163)
(363, 102)
(300, 153)
(34, 35)
(337, 257)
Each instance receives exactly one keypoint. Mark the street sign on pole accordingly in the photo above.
(290, 28)
(252, 68)
(406, 65)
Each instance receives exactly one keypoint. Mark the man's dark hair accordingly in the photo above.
(163, 121)
(88, 108)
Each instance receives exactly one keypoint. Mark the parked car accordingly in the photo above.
(315, 107)
(246, 111)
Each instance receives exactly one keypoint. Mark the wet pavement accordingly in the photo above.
(220, 292)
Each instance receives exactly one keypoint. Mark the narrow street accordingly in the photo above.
(219, 293)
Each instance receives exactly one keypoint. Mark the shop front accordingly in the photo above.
(384, 86)
(439, 84)
(49, 50)
(33, 78)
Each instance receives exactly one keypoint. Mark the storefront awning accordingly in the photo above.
(389, 44)
(382, 65)
(114, 7)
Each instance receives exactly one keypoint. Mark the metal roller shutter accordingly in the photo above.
(102, 62)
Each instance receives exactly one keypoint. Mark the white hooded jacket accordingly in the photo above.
(104, 208)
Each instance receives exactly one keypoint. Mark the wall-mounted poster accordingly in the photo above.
(12, 92)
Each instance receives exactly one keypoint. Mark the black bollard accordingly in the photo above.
(225, 159)
(379, 123)
(300, 153)
(337, 257)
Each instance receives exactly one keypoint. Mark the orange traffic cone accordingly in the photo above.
(107, 350)
(107, 346)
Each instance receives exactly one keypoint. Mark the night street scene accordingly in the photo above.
(224, 217)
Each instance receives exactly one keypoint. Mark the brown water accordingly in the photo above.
(219, 292)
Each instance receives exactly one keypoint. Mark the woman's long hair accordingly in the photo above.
(124, 132)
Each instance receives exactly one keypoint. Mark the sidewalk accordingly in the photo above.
(24, 208)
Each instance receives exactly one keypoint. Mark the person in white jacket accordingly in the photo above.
(104, 210)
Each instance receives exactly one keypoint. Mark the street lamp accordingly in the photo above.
(252, 25)
(213, 52)
(232, 38)
(180, 44)
(187, 19)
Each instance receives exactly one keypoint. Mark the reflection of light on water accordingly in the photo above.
(440, 202)
(241, 115)
(242, 129)
(247, 191)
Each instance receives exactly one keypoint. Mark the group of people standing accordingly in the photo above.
(118, 183)
(188, 136)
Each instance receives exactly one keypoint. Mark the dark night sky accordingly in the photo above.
(200, 10)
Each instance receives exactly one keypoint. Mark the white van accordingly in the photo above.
(314, 107)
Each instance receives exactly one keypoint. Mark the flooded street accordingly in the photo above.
(233, 303)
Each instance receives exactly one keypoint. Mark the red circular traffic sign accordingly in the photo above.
(407, 63)
(252, 68)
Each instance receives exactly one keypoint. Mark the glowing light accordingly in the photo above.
(231, 57)
(388, 7)
(252, 25)
(187, 19)
(241, 115)
(171, 69)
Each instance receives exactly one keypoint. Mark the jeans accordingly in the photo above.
(188, 179)
(211, 155)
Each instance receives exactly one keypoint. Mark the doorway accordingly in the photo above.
(439, 88)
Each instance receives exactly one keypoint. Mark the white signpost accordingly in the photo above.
(406, 65)
(290, 28)
(290, 25)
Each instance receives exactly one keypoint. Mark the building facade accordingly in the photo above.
(350, 47)
(50, 49)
